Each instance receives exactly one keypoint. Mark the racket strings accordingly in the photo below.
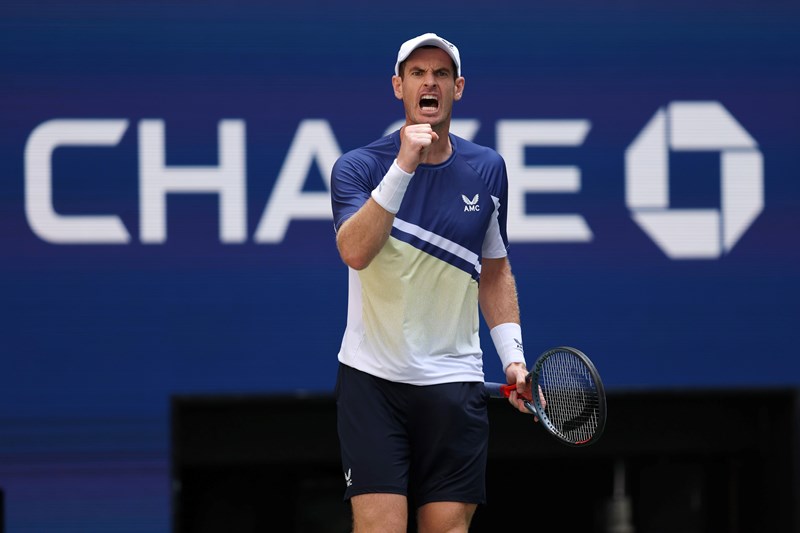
(571, 396)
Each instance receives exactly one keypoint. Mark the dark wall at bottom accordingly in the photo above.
(689, 461)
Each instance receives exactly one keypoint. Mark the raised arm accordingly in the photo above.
(363, 235)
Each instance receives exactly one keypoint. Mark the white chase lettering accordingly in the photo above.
(681, 234)
(512, 138)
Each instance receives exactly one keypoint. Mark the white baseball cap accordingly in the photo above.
(427, 39)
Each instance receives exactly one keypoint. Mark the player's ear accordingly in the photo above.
(397, 84)
(459, 88)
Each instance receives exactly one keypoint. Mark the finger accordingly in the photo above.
(514, 400)
(422, 132)
(423, 139)
(422, 126)
(521, 376)
(518, 402)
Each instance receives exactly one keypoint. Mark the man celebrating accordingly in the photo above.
(420, 218)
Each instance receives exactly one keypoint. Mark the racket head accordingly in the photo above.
(572, 400)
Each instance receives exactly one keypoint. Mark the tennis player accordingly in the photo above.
(420, 219)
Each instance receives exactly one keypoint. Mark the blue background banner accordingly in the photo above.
(124, 282)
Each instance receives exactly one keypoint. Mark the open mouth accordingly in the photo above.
(429, 102)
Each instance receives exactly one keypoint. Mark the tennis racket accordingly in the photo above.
(571, 400)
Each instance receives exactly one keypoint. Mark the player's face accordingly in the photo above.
(428, 87)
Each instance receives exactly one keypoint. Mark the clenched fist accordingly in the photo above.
(415, 141)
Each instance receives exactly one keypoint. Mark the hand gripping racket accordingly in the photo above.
(571, 402)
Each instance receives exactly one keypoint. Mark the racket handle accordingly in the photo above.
(499, 390)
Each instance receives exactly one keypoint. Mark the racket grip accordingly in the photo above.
(498, 390)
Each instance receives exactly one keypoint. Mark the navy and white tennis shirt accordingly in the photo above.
(413, 312)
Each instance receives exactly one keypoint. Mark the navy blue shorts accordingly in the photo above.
(428, 443)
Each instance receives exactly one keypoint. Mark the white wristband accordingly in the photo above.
(507, 339)
(389, 192)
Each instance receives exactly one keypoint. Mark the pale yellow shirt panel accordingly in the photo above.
(420, 317)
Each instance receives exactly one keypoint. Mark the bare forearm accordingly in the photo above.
(498, 293)
(500, 307)
(362, 236)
